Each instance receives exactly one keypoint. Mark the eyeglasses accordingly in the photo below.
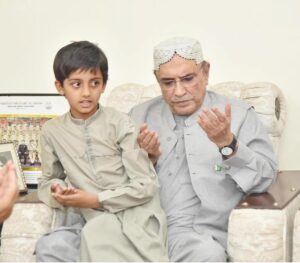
(185, 81)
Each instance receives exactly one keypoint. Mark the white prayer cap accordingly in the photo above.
(184, 47)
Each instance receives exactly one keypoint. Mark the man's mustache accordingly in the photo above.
(182, 99)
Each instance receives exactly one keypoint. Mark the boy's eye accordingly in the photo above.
(75, 84)
(95, 83)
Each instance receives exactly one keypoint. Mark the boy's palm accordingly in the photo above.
(77, 198)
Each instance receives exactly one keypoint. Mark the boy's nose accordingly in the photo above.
(86, 90)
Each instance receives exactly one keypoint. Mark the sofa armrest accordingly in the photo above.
(261, 226)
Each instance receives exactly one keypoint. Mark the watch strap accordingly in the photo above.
(232, 145)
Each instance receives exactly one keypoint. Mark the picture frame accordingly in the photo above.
(21, 119)
(8, 152)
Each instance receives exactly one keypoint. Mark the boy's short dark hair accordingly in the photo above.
(82, 55)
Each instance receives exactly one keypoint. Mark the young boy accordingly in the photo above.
(112, 183)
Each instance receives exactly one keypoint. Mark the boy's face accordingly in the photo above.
(82, 89)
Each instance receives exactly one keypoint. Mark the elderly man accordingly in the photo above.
(209, 151)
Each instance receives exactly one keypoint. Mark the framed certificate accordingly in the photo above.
(8, 153)
(21, 119)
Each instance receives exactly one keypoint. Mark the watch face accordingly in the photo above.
(226, 151)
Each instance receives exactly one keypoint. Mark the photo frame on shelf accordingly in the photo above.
(21, 119)
(8, 152)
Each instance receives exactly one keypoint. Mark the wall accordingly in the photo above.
(249, 40)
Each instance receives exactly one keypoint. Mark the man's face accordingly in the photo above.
(183, 84)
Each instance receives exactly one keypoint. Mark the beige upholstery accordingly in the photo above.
(21, 230)
(263, 235)
(254, 235)
(296, 243)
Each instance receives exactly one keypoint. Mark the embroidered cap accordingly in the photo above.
(184, 47)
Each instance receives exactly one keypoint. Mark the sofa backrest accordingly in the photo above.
(266, 98)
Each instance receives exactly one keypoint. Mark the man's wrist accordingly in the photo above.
(227, 140)
(230, 149)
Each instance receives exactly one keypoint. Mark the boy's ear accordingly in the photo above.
(59, 87)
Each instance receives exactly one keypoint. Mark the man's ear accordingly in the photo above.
(59, 87)
(206, 67)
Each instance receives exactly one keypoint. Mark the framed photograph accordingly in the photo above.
(8, 152)
(21, 119)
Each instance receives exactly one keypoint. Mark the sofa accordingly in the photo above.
(260, 227)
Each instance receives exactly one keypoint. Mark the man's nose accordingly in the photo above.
(179, 90)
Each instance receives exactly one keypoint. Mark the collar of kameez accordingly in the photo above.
(88, 120)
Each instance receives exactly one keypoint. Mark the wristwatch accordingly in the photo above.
(229, 149)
